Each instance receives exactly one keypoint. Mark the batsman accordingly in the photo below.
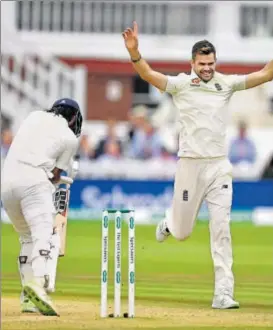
(42, 150)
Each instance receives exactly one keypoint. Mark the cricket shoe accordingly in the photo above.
(38, 296)
(162, 231)
(224, 302)
(27, 305)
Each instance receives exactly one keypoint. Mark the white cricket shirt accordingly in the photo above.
(43, 141)
(203, 112)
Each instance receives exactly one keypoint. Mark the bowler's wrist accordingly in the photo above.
(136, 60)
(135, 55)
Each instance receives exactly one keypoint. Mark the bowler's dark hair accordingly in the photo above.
(203, 47)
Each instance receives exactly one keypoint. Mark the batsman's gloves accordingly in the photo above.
(60, 199)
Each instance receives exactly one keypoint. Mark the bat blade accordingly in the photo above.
(61, 225)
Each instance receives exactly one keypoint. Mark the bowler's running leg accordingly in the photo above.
(189, 190)
(219, 199)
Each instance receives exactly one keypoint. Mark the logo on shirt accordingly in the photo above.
(185, 195)
(218, 87)
(195, 82)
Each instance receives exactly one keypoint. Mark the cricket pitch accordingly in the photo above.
(78, 315)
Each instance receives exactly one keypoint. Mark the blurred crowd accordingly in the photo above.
(242, 148)
(6, 139)
(142, 152)
(142, 141)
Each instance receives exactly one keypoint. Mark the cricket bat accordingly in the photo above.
(61, 222)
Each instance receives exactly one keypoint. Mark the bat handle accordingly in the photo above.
(66, 180)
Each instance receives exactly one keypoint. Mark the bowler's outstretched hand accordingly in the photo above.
(130, 37)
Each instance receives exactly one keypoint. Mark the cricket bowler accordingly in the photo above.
(203, 170)
(42, 149)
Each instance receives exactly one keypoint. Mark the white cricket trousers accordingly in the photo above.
(197, 180)
(27, 199)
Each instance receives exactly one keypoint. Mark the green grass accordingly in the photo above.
(173, 274)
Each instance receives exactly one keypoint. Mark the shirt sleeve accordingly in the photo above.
(237, 82)
(176, 83)
(63, 161)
